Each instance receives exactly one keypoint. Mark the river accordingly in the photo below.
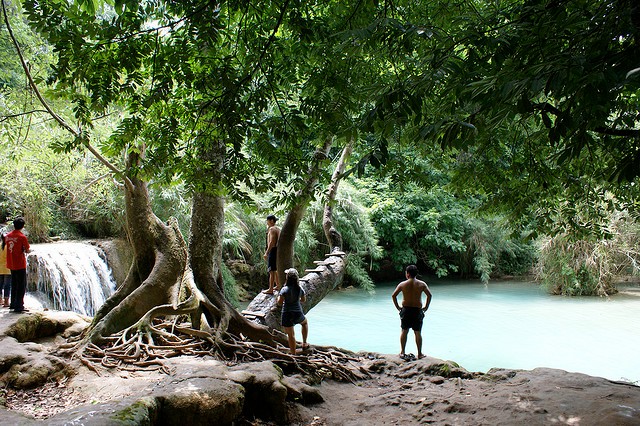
(508, 324)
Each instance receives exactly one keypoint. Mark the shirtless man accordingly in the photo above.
(270, 254)
(412, 312)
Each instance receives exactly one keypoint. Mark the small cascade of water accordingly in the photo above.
(69, 276)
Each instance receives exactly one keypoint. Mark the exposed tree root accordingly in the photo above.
(148, 347)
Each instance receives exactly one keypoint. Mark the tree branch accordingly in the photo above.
(32, 84)
(52, 113)
(333, 236)
(10, 116)
(631, 133)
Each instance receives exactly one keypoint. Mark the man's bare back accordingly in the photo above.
(412, 290)
(273, 234)
(412, 312)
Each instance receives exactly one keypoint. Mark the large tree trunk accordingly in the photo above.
(160, 258)
(327, 274)
(205, 258)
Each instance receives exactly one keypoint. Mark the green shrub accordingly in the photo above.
(433, 228)
(590, 264)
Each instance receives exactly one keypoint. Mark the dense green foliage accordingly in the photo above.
(516, 125)
(435, 229)
(590, 266)
(65, 195)
(535, 102)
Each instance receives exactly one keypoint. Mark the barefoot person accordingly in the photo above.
(271, 253)
(412, 312)
(291, 295)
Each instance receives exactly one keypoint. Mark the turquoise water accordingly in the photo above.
(506, 324)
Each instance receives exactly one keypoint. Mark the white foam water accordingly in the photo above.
(69, 276)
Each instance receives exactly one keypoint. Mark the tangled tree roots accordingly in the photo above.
(149, 347)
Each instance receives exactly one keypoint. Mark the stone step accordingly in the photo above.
(252, 314)
(323, 262)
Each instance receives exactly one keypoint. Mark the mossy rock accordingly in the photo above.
(40, 325)
(36, 372)
(448, 369)
(142, 412)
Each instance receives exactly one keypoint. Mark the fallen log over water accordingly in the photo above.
(317, 283)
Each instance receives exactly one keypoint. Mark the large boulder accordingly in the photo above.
(119, 254)
(24, 363)
(39, 325)
(266, 395)
(201, 401)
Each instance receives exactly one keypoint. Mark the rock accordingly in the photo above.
(43, 324)
(298, 391)
(36, 372)
(8, 417)
(202, 401)
(265, 395)
(142, 411)
(28, 365)
(119, 254)
(499, 374)
(250, 280)
(12, 353)
(437, 380)
(194, 399)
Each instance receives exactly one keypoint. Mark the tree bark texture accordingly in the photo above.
(205, 250)
(205, 258)
(295, 215)
(160, 258)
(161, 283)
(334, 239)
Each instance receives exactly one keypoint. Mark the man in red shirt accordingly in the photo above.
(17, 248)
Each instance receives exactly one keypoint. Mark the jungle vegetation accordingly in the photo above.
(476, 129)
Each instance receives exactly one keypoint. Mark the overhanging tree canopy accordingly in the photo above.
(188, 81)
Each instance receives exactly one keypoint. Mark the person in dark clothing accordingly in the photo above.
(271, 254)
(290, 297)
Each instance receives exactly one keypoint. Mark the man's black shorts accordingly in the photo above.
(271, 260)
(411, 317)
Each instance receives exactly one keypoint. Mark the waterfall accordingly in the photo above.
(69, 276)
